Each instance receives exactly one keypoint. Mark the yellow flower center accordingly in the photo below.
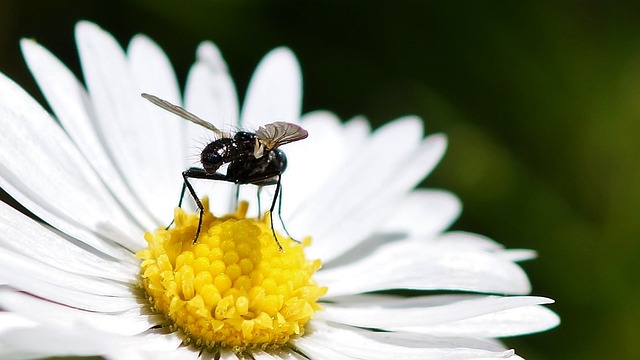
(234, 287)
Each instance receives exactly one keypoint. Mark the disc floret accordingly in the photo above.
(234, 287)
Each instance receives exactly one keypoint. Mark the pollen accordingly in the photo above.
(233, 288)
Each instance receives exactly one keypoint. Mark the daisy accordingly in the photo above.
(99, 275)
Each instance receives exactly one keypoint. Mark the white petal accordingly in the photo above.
(357, 130)
(312, 162)
(371, 211)
(367, 171)
(10, 320)
(468, 241)
(152, 70)
(211, 95)
(274, 92)
(514, 322)
(86, 293)
(374, 210)
(42, 244)
(210, 92)
(82, 340)
(9, 353)
(121, 115)
(154, 74)
(371, 214)
(422, 162)
(334, 342)
(310, 165)
(424, 213)
(410, 264)
(70, 102)
(448, 315)
(18, 265)
(517, 255)
(361, 180)
(56, 341)
(181, 353)
(284, 354)
(453, 241)
(63, 316)
(320, 349)
(36, 173)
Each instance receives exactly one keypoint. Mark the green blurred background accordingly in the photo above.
(540, 100)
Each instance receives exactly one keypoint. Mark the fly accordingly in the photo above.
(251, 157)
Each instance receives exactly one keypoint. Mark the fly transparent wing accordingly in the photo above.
(183, 113)
(279, 133)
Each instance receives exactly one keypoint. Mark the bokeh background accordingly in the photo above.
(540, 101)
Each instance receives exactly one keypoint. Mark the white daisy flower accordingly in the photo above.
(107, 167)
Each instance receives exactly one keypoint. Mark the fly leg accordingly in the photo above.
(273, 205)
(197, 173)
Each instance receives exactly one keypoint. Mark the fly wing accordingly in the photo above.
(183, 113)
(279, 133)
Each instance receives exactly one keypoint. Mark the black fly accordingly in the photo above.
(252, 157)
